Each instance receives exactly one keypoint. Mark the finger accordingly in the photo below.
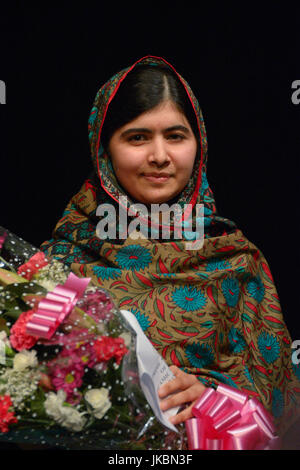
(181, 398)
(182, 416)
(191, 394)
(170, 387)
(187, 379)
(182, 381)
(175, 370)
(180, 374)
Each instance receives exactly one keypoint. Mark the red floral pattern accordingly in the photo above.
(36, 262)
(6, 417)
(18, 337)
(107, 348)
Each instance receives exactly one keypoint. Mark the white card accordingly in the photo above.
(153, 371)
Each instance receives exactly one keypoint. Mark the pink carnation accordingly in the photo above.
(19, 339)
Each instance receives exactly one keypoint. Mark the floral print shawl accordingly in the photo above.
(213, 312)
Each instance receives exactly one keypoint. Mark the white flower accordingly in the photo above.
(25, 359)
(53, 403)
(4, 338)
(99, 400)
(19, 384)
(47, 284)
(64, 415)
(54, 273)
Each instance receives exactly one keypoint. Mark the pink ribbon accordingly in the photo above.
(55, 307)
(226, 419)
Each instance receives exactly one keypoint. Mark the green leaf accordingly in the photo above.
(8, 277)
(139, 282)
(37, 404)
(207, 324)
(202, 275)
(246, 318)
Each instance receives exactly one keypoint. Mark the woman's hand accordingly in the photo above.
(185, 389)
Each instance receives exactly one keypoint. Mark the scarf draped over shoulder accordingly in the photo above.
(213, 312)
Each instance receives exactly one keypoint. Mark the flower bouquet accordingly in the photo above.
(68, 365)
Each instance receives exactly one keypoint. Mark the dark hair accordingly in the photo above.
(144, 88)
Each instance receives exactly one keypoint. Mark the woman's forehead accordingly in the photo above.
(164, 115)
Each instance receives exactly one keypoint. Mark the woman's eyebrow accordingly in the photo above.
(144, 129)
(178, 128)
(135, 129)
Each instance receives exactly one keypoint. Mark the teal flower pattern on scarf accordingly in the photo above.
(204, 182)
(207, 211)
(231, 290)
(61, 249)
(224, 378)
(134, 257)
(69, 229)
(269, 346)
(207, 222)
(106, 272)
(93, 115)
(216, 264)
(277, 402)
(199, 355)
(143, 320)
(78, 256)
(256, 289)
(85, 231)
(236, 340)
(189, 298)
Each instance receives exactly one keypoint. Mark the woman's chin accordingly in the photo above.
(154, 197)
(156, 200)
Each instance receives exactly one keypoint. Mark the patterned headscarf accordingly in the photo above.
(213, 312)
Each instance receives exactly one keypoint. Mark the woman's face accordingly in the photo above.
(153, 155)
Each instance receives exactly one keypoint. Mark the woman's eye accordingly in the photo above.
(136, 138)
(175, 137)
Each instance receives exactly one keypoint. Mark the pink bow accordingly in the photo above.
(54, 308)
(225, 419)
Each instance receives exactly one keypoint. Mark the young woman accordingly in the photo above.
(213, 312)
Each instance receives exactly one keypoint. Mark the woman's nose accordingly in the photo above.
(158, 152)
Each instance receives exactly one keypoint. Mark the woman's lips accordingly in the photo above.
(157, 179)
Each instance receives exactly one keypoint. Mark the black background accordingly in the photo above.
(240, 60)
